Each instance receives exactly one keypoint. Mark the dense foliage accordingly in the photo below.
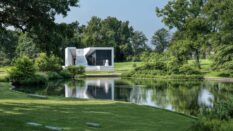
(24, 72)
(220, 118)
(161, 40)
(204, 26)
(160, 65)
(76, 70)
(111, 32)
(48, 63)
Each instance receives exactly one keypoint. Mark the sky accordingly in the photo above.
(140, 13)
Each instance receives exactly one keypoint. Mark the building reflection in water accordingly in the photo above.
(99, 89)
(110, 90)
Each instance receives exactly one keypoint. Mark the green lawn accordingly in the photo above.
(3, 73)
(206, 68)
(120, 68)
(71, 114)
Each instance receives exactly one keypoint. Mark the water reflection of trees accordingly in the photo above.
(181, 96)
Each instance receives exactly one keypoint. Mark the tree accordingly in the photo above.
(26, 46)
(138, 42)
(220, 15)
(188, 17)
(48, 63)
(109, 32)
(8, 43)
(25, 15)
(23, 68)
(37, 17)
(160, 40)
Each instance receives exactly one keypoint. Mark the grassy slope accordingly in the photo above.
(3, 73)
(206, 68)
(70, 114)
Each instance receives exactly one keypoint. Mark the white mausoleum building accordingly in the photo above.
(93, 58)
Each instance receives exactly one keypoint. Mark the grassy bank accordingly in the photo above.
(119, 69)
(3, 73)
(125, 67)
(71, 114)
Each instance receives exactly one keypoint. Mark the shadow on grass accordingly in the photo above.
(73, 115)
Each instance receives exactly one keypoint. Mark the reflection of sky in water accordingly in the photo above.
(205, 98)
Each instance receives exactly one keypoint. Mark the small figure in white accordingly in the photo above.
(106, 63)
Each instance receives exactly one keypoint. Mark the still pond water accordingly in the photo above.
(182, 96)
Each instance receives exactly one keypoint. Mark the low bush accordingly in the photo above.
(23, 69)
(65, 74)
(188, 70)
(134, 65)
(220, 118)
(48, 63)
(224, 74)
(24, 73)
(3, 79)
(35, 80)
(228, 66)
(54, 75)
(76, 70)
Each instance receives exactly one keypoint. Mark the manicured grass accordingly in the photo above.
(71, 114)
(3, 73)
(119, 68)
(126, 66)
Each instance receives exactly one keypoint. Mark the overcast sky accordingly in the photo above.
(140, 13)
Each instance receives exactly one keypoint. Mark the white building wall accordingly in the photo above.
(81, 59)
(68, 57)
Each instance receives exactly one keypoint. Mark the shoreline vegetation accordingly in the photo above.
(123, 70)
(126, 69)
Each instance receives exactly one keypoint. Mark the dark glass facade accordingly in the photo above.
(99, 57)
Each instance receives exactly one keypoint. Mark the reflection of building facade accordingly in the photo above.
(93, 58)
(99, 89)
(167, 98)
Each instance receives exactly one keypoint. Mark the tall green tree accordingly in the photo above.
(26, 46)
(37, 17)
(160, 40)
(188, 18)
(8, 44)
(220, 16)
(138, 42)
(109, 32)
(28, 14)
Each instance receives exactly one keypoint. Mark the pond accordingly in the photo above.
(182, 96)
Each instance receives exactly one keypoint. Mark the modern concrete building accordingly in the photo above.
(93, 58)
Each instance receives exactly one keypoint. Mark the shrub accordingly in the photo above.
(54, 75)
(188, 70)
(23, 69)
(35, 80)
(65, 74)
(76, 70)
(173, 65)
(48, 63)
(228, 65)
(217, 119)
(24, 73)
(134, 65)
(224, 74)
(152, 66)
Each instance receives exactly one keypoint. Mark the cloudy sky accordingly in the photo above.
(140, 13)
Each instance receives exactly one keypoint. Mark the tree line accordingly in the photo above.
(201, 29)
